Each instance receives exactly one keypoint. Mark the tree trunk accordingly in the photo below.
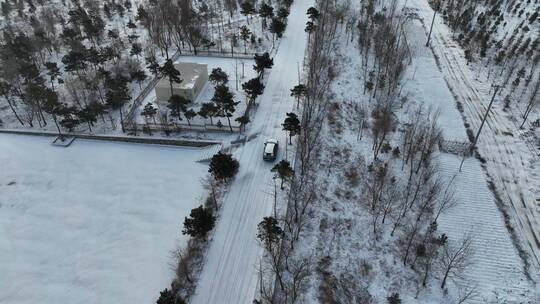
(13, 110)
(229, 120)
(122, 120)
(446, 273)
(58, 127)
(41, 114)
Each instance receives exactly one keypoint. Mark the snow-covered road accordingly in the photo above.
(512, 161)
(230, 274)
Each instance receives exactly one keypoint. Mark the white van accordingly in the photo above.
(270, 149)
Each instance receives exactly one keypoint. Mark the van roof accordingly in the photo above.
(269, 147)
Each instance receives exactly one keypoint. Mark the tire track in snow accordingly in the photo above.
(230, 274)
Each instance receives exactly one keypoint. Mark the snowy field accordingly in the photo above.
(496, 270)
(92, 223)
(512, 159)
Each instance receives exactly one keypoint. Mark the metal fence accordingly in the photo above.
(178, 127)
(455, 147)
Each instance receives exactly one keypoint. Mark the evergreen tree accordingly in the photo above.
(265, 11)
(131, 24)
(94, 27)
(223, 166)
(88, 115)
(253, 88)
(52, 106)
(168, 297)
(247, 9)
(6, 90)
(208, 110)
(223, 98)
(292, 125)
(149, 111)
(117, 94)
(136, 50)
(313, 14)
(178, 105)
(199, 223)
(139, 76)
(245, 34)
(69, 122)
(98, 109)
(277, 27)
(74, 61)
(298, 92)
(53, 71)
(243, 121)
(284, 171)
(168, 70)
(269, 232)
(310, 28)
(394, 299)
(263, 62)
(218, 76)
(142, 15)
(283, 13)
(190, 114)
(153, 65)
(94, 57)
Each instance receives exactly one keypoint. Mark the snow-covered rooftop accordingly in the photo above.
(189, 73)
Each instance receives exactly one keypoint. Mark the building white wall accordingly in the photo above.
(194, 76)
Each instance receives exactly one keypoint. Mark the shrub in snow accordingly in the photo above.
(199, 223)
(168, 297)
(394, 299)
(223, 166)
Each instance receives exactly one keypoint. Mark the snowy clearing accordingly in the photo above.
(512, 158)
(92, 223)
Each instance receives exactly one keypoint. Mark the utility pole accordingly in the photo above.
(497, 87)
(433, 21)
(298, 68)
(236, 72)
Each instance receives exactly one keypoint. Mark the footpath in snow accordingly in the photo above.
(496, 270)
(229, 275)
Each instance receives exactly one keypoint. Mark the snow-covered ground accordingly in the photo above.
(337, 226)
(513, 159)
(230, 275)
(497, 269)
(92, 223)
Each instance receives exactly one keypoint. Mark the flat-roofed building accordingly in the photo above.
(194, 76)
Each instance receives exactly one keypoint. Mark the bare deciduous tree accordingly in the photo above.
(455, 257)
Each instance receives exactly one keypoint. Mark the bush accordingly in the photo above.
(223, 166)
(200, 222)
(168, 297)
(394, 299)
